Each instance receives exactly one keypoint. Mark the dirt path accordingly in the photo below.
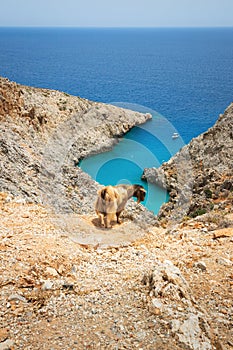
(58, 294)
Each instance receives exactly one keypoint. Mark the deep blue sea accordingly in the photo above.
(183, 76)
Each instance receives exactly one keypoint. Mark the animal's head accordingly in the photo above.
(139, 193)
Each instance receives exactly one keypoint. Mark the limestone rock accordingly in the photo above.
(7, 345)
(17, 297)
(51, 271)
(155, 176)
(167, 281)
(171, 297)
(47, 285)
(3, 334)
(42, 132)
(224, 261)
(200, 173)
(190, 332)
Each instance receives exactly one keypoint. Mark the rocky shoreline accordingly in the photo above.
(67, 283)
(44, 133)
(199, 177)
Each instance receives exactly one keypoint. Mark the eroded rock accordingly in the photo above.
(200, 174)
(171, 297)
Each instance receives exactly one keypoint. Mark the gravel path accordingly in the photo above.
(57, 294)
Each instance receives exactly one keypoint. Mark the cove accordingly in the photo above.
(144, 146)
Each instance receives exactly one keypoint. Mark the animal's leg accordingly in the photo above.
(108, 221)
(119, 221)
(101, 217)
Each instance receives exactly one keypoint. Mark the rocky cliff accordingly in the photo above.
(66, 283)
(43, 135)
(199, 177)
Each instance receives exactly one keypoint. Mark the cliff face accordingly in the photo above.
(43, 133)
(67, 283)
(199, 177)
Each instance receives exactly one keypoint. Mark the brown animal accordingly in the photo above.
(111, 201)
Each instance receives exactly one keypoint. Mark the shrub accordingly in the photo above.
(208, 193)
(198, 212)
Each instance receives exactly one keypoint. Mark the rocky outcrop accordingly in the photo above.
(43, 135)
(199, 177)
(170, 297)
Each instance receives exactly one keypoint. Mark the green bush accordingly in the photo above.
(208, 193)
(198, 212)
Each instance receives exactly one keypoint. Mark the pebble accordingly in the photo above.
(47, 285)
(20, 200)
(224, 261)
(225, 232)
(157, 304)
(51, 271)
(3, 334)
(200, 265)
(141, 335)
(17, 297)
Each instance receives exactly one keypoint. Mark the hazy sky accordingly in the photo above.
(116, 13)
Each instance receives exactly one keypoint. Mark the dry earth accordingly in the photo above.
(58, 294)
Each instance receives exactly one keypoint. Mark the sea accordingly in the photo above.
(182, 76)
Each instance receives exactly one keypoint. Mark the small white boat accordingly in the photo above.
(175, 135)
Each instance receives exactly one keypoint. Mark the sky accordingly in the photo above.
(117, 13)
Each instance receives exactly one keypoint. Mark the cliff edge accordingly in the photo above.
(43, 135)
(199, 177)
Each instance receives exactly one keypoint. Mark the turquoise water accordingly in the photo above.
(145, 146)
(124, 164)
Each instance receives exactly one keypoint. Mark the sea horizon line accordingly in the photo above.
(116, 27)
